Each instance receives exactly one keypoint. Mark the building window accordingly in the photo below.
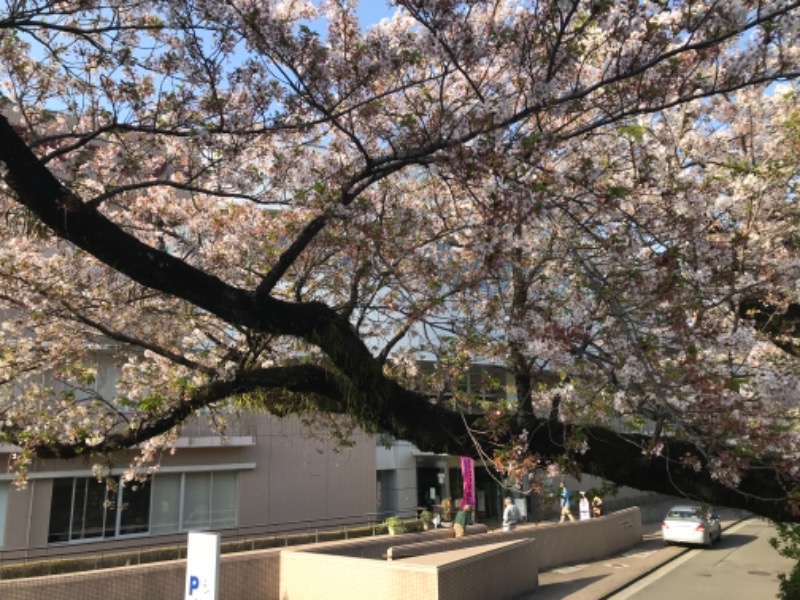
(209, 500)
(223, 499)
(133, 509)
(486, 383)
(83, 508)
(4, 487)
(166, 514)
(197, 501)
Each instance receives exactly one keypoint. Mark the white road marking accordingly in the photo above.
(571, 569)
(643, 554)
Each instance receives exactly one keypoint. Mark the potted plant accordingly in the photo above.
(395, 525)
(426, 517)
(447, 509)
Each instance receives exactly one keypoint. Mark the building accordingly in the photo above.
(409, 479)
(267, 475)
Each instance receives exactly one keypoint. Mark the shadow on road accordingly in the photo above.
(732, 540)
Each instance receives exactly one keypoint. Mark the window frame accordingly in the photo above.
(113, 526)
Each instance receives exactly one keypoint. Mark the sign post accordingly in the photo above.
(202, 566)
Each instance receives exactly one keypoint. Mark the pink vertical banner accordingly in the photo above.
(468, 475)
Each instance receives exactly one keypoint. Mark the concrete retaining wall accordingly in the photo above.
(566, 543)
(499, 571)
(585, 541)
(377, 547)
(502, 573)
(260, 574)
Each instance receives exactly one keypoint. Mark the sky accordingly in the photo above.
(369, 12)
(372, 11)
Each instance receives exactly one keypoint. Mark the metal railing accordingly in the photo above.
(312, 530)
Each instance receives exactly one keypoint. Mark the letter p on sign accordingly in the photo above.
(194, 584)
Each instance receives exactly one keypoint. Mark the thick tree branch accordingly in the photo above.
(623, 458)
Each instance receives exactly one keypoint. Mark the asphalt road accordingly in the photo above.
(742, 565)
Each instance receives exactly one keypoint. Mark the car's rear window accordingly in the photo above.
(681, 514)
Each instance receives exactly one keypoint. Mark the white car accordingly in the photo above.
(691, 524)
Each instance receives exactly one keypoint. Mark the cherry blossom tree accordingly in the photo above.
(267, 204)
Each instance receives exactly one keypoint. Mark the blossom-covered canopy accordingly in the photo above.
(269, 204)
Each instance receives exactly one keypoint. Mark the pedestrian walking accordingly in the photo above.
(564, 501)
(511, 515)
(461, 520)
(584, 508)
(597, 506)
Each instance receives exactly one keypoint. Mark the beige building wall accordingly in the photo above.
(286, 475)
(309, 478)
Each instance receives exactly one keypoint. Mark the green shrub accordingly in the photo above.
(109, 561)
(787, 543)
(270, 542)
(396, 524)
(239, 546)
(160, 555)
(329, 536)
(71, 565)
(24, 570)
(790, 584)
(299, 539)
(360, 532)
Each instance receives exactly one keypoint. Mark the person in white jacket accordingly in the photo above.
(511, 515)
(584, 508)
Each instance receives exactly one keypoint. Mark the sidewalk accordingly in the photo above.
(602, 579)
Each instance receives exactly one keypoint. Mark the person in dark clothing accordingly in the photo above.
(461, 520)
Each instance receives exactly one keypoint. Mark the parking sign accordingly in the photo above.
(202, 566)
